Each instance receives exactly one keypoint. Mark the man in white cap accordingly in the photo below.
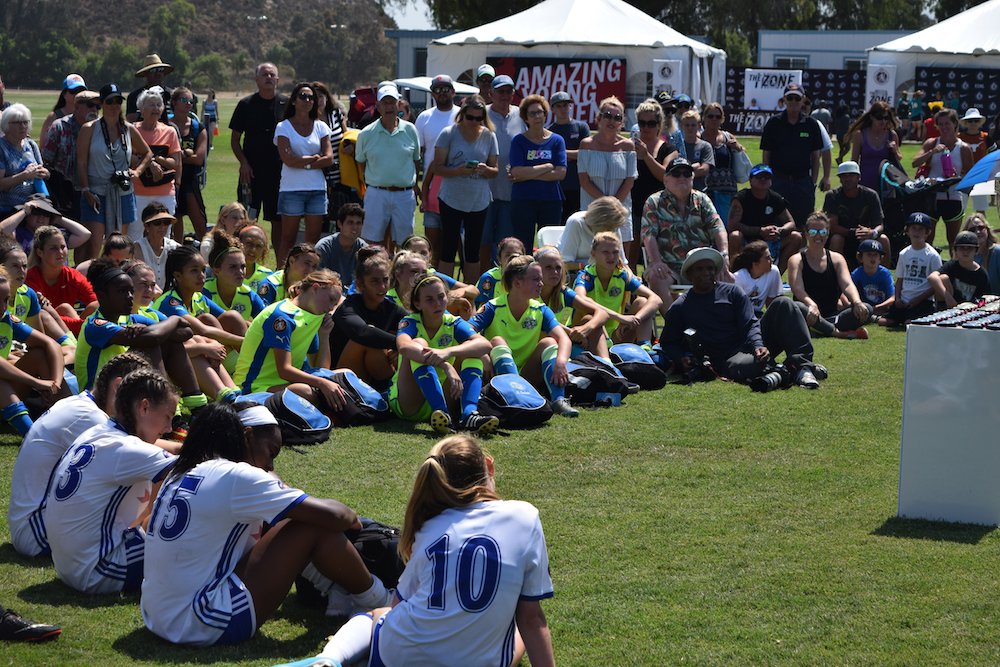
(973, 135)
(855, 214)
(153, 70)
(59, 152)
(429, 125)
(738, 345)
(507, 123)
(484, 80)
(388, 154)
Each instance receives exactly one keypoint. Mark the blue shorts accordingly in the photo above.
(498, 225)
(242, 624)
(296, 203)
(432, 220)
(88, 214)
(375, 657)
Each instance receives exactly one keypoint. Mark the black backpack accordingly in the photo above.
(593, 380)
(637, 366)
(300, 421)
(378, 545)
(511, 399)
(365, 406)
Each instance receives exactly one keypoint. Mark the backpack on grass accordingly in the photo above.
(594, 381)
(365, 405)
(511, 399)
(300, 421)
(637, 366)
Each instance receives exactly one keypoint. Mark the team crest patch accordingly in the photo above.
(262, 290)
(4, 342)
(15, 319)
(481, 308)
(98, 322)
(240, 307)
(768, 210)
(20, 310)
(615, 291)
(445, 340)
(403, 323)
(487, 285)
(173, 301)
(529, 323)
(280, 325)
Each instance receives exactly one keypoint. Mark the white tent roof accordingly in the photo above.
(973, 32)
(582, 22)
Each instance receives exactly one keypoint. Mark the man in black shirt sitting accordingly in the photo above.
(758, 212)
(855, 214)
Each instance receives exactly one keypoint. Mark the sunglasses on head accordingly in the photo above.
(475, 119)
(818, 232)
(647, 123)
(306, 96)
(607, 115)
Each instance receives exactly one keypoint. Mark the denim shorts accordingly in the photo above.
(88, 214)
(297, 203)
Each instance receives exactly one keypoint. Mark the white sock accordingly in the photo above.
(352, 642)
(373, 598)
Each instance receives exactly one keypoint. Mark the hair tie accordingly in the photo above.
(258, 415)
(439, 459)
(526, 267)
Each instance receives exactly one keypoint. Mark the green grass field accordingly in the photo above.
(702, 525)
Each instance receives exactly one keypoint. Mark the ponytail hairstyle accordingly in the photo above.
(511, 242)
(133, 266)
(556, 298)
(243, 226)
(454, 474)
(419, 282)
(297, 249)
(369, 257)
(99, 268)
(42, 236)
(608, 237)
(750, 255)
(118, 366)
(605, 214)
(177, 259)
(7, 245)
(405, 245)
(322, 277)
(401, 260)
(222, 245)
(216, 433)
(116, 241)
(147, 383)
(515, 269)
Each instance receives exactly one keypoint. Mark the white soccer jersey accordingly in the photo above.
(46, 442)
(469, 568)
(202, 524)
(97, 491)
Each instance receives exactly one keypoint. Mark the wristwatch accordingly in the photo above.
(309, 166)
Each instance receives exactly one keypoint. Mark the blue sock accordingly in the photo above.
(472, 385)
(18, 417)
(548, 368)
(430, 385)
(503, 361)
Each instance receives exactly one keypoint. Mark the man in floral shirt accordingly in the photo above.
(675, 221)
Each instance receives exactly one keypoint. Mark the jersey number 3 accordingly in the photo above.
(477, 574)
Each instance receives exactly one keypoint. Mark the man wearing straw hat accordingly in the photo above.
(153, 70)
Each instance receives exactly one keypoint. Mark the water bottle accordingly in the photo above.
(947, 166)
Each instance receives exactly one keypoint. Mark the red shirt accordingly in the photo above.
(71, 287)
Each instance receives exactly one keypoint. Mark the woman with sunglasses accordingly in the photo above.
(538, 163)
(652, 152)
(949, 206)
(720, 184)
(194, 151)
(157, 183)
(873, 139)
(154, 246)
(988, 255)
(607, 163)
(303, 142)
(821, 282)
(465, 155)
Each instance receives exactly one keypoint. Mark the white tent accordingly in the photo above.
(587, 28)
(969, 39)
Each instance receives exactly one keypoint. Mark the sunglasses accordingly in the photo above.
(475, 119)
(93, 105)
(792, 98)
(157, 70)
(764, 176)
(536, 113)
(185, 100)
(160, 222)
(882, 117)
(683, 105)
(607, 115)
(714, 116)
(439, 90)
(115, 100)
(682, 174)
(306, 96)
(818, 232)
(647, 123)
(980, 228)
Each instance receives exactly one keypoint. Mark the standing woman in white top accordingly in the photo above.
(303, 142)
(607, 162)
(949, 204)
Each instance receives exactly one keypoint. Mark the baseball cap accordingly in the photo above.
(967, 238)
(487, 70)
(110, 91)
(871, 245)
(795, 89)
(919, 219)
(679, 164)
(387, 91)
(502, 80)
(442, 80)
(973, 114)
(85, 95)
(698, 254)
(560, 96)
(761, 169)
(73, 81)
(663, 97)
(848, 167)
(683, 98)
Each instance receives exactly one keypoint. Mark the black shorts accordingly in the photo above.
(948, 210)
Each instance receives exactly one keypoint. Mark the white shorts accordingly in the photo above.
(142, 201)
(394, 211)
(120, 570)
(29, 537)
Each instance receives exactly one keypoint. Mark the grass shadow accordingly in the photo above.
(938, 531)
(55, 593)
(9, 555)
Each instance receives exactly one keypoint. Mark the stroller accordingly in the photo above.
(902, 196)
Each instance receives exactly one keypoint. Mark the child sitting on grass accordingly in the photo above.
(961, 279)
(916, 263)
(874, 281)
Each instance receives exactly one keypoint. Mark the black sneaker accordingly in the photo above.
(480, 424)
(13, 628)
(441, 422)
(820, 372)
(563, 408)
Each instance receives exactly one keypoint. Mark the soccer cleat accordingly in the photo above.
(13, 628)
(315, 661)
(858, 334)
(806, 379)
(480, 424)
(441, 422)
(179, 430)
(562, 407)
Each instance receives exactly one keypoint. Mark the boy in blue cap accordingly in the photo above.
(916, 262)
(874, 281)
